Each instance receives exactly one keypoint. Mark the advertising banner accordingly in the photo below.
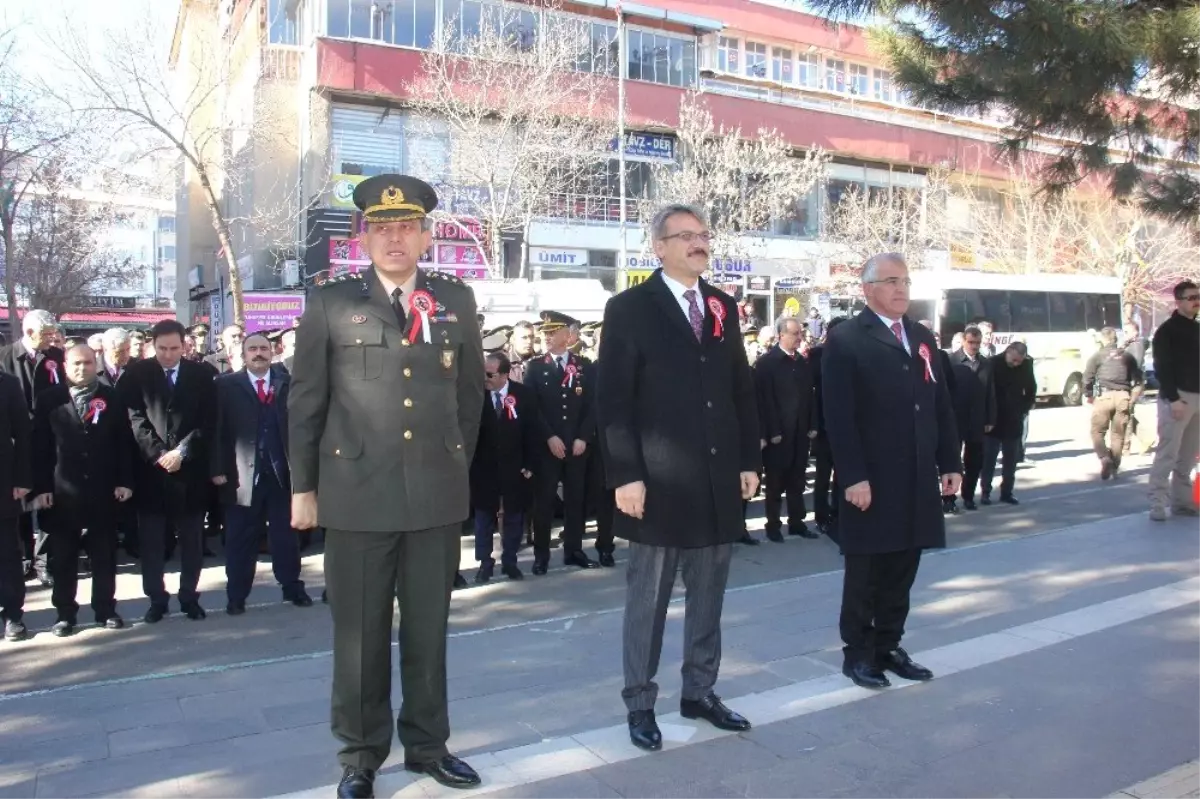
(633, 277)
(341, 194)
(273, 311)
(467, 255)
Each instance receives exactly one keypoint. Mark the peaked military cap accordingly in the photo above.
(394, 198)
(494, 340)
(553, 320)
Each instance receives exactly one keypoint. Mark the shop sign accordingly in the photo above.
(758, 283)
(467, 255)
(548, 256)
(635, 276)
(342, 193)
(736, 266)
(463, 228)
(650, 147)
(646, 262)
(271, 311)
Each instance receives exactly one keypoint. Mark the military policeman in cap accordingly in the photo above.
(384, 414)
(562, 384)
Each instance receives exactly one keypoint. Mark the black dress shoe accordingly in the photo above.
(1009, 500)
(749, 540)
(581, 560)
(459, 581)
(484, 574)
(235, 608)
(643, 730)
(512, 572)
(449, 771)
(44, 578)
(606, 560)
(969, 504)
(540, 565)
(299, 598)
(985, 500)
(775, 535)
(713, 710)
(899, 663)
(63, 627)
(325, 596)
(357, 783)
(15, 631)
(193, 611)
(155, 614)
(865, 675)
(113, 622)
(802, 531)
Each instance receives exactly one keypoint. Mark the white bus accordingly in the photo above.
(1056, 316)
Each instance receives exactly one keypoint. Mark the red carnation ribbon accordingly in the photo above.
(717, 309)
(421, 304)
(510, 405)
(569, 375)
(923, 351)
(52, 368)
(95, 408)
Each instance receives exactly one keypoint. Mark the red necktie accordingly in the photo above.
(899, 331)
(262, 392)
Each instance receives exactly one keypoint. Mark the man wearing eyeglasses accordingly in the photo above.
(679, 426)
(1176, 351)
(890, 423)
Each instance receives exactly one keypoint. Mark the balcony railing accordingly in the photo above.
(590, 208)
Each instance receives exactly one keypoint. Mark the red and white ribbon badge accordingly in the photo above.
(421, 303)
(52, 368)
(923, 351)
(569, 375)
(95, 408)
(510, 405)
(717, 309)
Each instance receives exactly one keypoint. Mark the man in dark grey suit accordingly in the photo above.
(679, 426)
(251, 470)
(384, 415)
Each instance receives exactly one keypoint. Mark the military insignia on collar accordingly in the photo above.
(446, 276)
(358, 319)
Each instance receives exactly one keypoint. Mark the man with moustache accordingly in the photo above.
(83, 473)
(250, 469)
(229, 357)
(679, 426)
(386, 393)
(890, 422)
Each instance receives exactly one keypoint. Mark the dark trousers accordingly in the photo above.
(823, 481)
(875, 596)
(649, 580)
(100, 543)
(36, 545)
(602, 500)
(972, 465)
(12, 571)
(792, 480)
(572, 473)
(270, 506)
(366, 573)
(1011, 449)
(510, 536)
(152, 531)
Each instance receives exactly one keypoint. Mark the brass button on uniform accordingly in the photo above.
(358, 341)
(709, 403)
(458, 446)
(405, 342)
(408, 435)
(337, 452)
(407, 372)
(714, 450)
(407, 403)
(918, 407)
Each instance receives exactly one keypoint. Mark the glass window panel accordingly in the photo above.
(809, 71)
(470, 20)
(402, 23)
(727, 54)
(662, 59)
(426, 22)
(612, 51)
(835, 75)
(1068, 312)
(756, 60)
(1029, 314)
(689, 63)
(648, 56)
(859, 81)
(337, 22)
(281, 22)
(360, 19)
(781, 65)
(882, 88)
(634, 45)
(996, 309)
(676, 71)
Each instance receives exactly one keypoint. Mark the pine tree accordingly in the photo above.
(1115, 82)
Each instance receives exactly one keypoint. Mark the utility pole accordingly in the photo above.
(622, 68)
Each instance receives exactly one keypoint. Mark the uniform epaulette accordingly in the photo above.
(346, 277)
(446, 276)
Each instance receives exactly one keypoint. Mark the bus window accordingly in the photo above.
(1029, 313)
(1111, 305)
(996, 309)
(1068, 312)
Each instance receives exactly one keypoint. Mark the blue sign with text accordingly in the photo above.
(647, 147)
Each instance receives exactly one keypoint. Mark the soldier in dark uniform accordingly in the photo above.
(562, 383)
(383, 417)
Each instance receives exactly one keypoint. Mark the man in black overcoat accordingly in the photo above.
(37, 364)
(974, 407)
(787, 419)
(16, 481)
(561, 386)
(83, 472)
(505, 457)
(679, 425)
(824, 479)
(890, 420)
(172, 407)
(1016, 393)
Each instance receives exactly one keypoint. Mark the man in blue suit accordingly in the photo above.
(251, 468)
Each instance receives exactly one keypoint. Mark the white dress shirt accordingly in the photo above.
(406, 288)
(903, 333)
(254, 381)
(677, 289)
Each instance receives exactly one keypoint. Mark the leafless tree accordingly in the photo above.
(506, 119)
(910, 221)
(59, 253)
(745, 180)
(214, 105)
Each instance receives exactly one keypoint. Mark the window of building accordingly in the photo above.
(756, 60)
(781, 65)
(604, 55)
(367, 141)
(166, 224)
(282, 22)
(410, 23)
(882, 87)
(835, 75)
(808, 70)
(166, 252)
(669, 60)
(860, 81)
(727, 54)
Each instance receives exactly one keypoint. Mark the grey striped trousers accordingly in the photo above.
(649, 580)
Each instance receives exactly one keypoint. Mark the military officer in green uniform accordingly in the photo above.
(387, 383)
